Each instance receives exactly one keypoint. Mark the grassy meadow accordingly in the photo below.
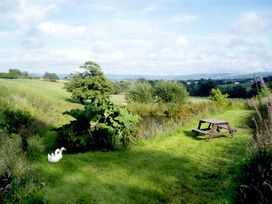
(175, 167)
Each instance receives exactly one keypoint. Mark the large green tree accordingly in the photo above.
(50, 76)
(91, 85)
(101, 124)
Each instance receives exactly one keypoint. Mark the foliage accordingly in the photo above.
(238, 91)
(14, 74)
(174, 168)
(170, 92)
(141, 91)
(256, 181)
(100, 125)
(14, 121)
(17, 179)
(205, 87)
(91, 85)
(121, 87)
(171, 169)
(50, 76)
(218, 97)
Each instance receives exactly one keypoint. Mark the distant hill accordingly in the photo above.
(120, 77)
(116, 77)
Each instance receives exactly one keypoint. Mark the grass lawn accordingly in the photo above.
(49, 89)
(175, 167)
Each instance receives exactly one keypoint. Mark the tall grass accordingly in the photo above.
(256, 180)
(174, 168)
(17, 178)
(160, 118)
(17, 151)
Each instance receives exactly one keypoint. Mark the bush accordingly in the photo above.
(218, 97)
(256, 178)
(140, 91)
(17, 179)
(101, 125)
(170, 91)
(14, 121)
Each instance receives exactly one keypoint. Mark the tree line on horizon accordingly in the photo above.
(245, 88)
(17, 73)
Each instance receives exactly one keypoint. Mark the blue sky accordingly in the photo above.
(137, 37)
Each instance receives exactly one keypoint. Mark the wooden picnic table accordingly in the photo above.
(214, 128)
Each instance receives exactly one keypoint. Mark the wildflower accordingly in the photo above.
(269, 107)
(261, 81)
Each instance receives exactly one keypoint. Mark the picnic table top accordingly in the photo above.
(213, 121)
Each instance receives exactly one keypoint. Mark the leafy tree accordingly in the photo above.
(14, 73)
(170, 91)
(91, 85)
(24, 74)
(218, 97)
(140, 91)
(50, 76)
(100, 125)
(205, 87)
(236, 91)
(121, 87)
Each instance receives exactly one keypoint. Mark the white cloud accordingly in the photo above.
(152, 7)
(251, 23)
(124, 39)
(182, 41)
(25, 11)
(59, 29)
(238, 40)
(117, 55)
(183, 18)
(32, 43)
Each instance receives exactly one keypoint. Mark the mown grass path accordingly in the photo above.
(173, 168)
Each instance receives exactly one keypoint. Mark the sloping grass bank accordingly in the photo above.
(175, 168)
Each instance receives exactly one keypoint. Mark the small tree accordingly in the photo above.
(50, 76)
(218, 97)
(90, 85)
(170, 92)
(141, 91)
(14, 73)
(205, 87)
(101, 125)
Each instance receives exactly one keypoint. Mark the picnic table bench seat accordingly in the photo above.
(214, 128)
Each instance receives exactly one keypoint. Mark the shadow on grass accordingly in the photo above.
(72, 100)
(193, 135)
(144, 176)
(99, 176)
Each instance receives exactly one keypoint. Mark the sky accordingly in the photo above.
(159, 37)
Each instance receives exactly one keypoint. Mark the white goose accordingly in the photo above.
(55, 157)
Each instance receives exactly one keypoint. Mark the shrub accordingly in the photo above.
(50, 77)
(218, 97)
(17, 179)
(140, 91)
(14, 121)
(91, 85)
(256, 179)
(101, 125)
(144, 109)
(170, 91)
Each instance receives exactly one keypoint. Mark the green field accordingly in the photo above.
(175, 167)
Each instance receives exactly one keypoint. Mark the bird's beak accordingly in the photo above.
(64, 149)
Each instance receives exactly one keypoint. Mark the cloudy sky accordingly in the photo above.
(137, 37)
